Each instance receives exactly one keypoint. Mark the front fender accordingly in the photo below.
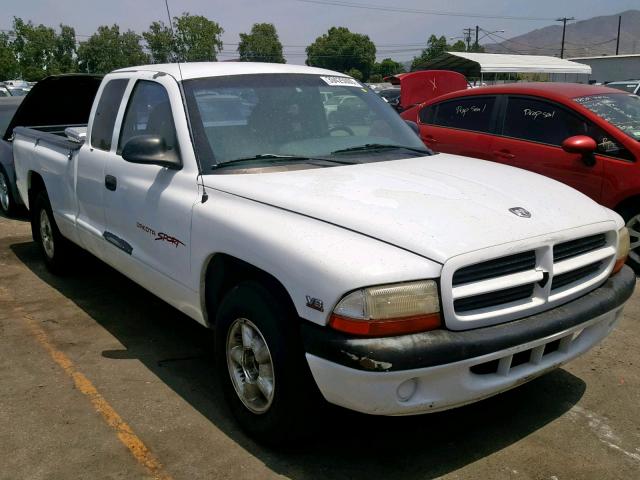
(311, 258)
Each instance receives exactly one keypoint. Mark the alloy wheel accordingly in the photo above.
(250, 365)
(46, 234)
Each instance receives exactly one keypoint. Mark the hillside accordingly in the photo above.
(595, 36)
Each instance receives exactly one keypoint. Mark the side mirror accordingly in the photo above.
(152, 150)
(414, 126)
(585, 146)
(579, 144)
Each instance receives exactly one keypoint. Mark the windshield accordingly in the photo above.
(626, 87)
(293, 115)
(619, 109)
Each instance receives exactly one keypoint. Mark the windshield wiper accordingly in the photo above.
(273, 156)
(379, 146)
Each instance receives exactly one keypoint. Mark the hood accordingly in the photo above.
(437, 206)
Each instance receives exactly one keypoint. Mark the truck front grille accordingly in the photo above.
(523, 283)
(576, 247)
(495, 268)
(492, 299)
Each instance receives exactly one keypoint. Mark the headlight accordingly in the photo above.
(624, 246)
(389, 310)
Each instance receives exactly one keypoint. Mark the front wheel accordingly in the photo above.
(55, 249)
(261, 365)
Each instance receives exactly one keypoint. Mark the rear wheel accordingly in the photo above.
(7, 202)
(55, 249)
(261, 365)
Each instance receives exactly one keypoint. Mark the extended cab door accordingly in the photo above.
(90, 219)
(530, 135)
(148, 207)
(461, 126)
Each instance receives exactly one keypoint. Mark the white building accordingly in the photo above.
(612, 68)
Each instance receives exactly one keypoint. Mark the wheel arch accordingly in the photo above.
(35, 184)
(223, 272)
(628, 203)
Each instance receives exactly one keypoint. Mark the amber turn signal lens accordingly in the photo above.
(624, 246)
(386, 328)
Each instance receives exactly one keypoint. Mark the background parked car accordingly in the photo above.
(421, 86)
(391, 95)
(631, 86)
(585, 136)
(4, 91)
(8, 193)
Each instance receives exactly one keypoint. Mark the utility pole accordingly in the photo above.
(618, 40)
(564, 28)
(467, 37)
(476, 45)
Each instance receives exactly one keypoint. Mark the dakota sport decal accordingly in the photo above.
(161, 236)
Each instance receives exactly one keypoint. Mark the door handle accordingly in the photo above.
(430, 139)
(111, 182)
(506, 154)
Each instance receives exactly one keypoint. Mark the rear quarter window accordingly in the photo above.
(472, 113)
(106, 112)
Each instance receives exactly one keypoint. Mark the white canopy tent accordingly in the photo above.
(479, 64)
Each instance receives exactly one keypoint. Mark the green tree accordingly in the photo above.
(435, 47)
(459, 46)
(9, 67)
(387, 67)
(198, 39)
(108, 49)
(65, 50)
(341, 50)
(40, 51)
(160, 42)
(355, 73)
(261, 45)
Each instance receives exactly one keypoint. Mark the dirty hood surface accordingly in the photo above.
(437, 206)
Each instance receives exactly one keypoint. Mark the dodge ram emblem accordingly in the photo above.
(521, 212)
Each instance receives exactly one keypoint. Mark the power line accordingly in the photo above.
(384, 8)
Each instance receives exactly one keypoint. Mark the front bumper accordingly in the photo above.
(443, 369)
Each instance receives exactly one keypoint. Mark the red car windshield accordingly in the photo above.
(621, 110)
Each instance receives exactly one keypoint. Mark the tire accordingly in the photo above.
(261, 365)
(631, 217)
(8, 204)
(56, 250)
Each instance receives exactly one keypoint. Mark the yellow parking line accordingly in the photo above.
(126, 435)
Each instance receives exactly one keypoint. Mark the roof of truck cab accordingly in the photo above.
(192, 70)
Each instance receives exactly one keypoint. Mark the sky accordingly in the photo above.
(398, 35)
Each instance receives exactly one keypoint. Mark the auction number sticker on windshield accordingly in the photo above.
(341, 82)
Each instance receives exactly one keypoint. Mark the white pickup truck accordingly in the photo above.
(333, 255)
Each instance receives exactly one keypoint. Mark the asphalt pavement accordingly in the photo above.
(99, 379)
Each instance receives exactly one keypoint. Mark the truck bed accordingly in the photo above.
(49, 134)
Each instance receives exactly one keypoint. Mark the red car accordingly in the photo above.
(585, 136)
